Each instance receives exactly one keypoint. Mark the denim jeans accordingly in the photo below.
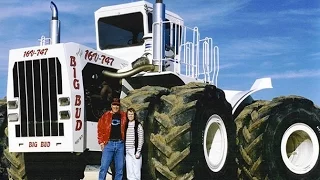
(113, 150)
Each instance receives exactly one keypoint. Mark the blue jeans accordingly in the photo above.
(113, 150)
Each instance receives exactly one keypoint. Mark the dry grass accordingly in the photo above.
(3, 101)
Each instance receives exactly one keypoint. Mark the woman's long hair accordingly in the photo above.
(134, 114)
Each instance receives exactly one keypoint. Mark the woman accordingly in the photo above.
(134, 142)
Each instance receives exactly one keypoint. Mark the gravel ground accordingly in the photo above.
(92, 172)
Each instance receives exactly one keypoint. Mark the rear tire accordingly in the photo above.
(250, 131)
(279, 139)
(180, 129)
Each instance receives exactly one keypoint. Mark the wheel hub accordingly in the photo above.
(215, 143)
(299, 148)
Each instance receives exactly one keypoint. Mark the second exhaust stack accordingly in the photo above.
(158, 32)
(54, 25)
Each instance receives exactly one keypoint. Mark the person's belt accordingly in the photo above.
(115, 140)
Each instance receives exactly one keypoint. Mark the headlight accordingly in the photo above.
(13, 117)
(12, 104)
(64, 115)
(64, 101)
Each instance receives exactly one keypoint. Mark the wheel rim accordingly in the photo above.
(215, 143)
(300, 148)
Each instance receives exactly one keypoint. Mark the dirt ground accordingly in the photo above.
(94, 176)
(92, 173)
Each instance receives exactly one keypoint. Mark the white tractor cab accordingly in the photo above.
(125, 31)
(57, 92)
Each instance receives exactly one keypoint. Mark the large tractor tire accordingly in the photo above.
(14, 161)
(250, 129)
(144, 101)
(193, 135)
(279, 139)
(16, 166)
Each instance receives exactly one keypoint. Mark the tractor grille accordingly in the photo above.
(37, 83)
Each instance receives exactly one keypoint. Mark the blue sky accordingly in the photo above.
(277, 39)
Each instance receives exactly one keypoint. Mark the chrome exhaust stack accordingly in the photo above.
(54, 25)
(158, 32)
(147, 67)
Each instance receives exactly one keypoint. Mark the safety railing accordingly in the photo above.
(186, 53)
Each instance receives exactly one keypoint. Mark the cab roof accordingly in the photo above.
(133, 5)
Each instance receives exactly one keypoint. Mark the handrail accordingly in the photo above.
(191, 54)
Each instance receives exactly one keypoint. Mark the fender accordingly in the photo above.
(235, 98)
(167, 79)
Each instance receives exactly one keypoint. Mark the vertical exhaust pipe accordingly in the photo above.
(158, 32)
(54, 25)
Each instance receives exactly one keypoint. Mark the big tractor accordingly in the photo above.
(145, 55)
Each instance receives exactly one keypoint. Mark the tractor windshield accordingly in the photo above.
(120, 31)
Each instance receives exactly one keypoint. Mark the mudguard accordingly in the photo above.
(236, 97)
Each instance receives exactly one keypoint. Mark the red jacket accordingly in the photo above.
(104, 126)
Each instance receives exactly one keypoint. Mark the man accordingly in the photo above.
(111, 135)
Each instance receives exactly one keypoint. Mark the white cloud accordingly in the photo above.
(206, 12)
(315, 57)
(275, 17)
(249, 74)
(252, 48)
(228, 65)
(317, 54)
(32, 9)
(80, 39)
(299, 12)
(304, 73)
(290, 64)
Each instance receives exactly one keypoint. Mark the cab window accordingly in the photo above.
(120, 31)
